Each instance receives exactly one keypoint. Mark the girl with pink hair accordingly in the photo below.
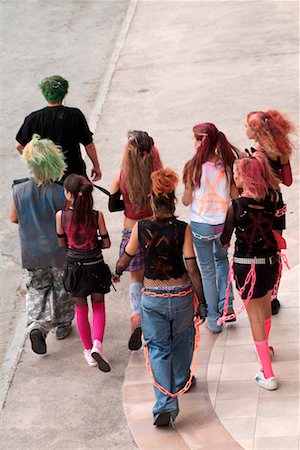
(255, 254)
(271, 131)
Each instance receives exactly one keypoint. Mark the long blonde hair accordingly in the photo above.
(140, 159)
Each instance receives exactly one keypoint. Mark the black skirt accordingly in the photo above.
(266, 277)
(83, 278)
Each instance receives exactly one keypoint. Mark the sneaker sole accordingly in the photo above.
(135, 341)
(162, 419)
(102, 363)
(38, 343)
(265, 386)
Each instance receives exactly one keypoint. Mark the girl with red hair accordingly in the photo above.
(255, 254)
(271, 131)
(208, 189)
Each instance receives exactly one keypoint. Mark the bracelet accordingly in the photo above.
(104, 236)
(61, 235)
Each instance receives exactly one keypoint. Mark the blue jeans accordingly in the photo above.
(168, 329)
(214, 265)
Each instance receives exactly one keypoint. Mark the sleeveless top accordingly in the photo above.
(36, 207)
(253, 227)
(78, 246)
(211, 200)
(130, 208)
(162, 243)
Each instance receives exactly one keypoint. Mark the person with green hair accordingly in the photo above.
(65, 126)
(34, 205)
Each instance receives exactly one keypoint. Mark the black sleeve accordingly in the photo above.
(115, 203)
(229, 226)
(85, 136)
(25, 133)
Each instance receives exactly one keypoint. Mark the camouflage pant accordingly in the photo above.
(43, 310)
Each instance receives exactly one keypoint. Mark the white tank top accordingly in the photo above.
(210, 201)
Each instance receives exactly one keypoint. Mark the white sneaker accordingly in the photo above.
(89, 359)
(267, 383)
(97, 354)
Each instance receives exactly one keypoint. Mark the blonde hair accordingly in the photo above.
(45, 160)
(140, 159)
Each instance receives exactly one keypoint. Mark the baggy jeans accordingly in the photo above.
(214, 266)
(168, 329)
(42, 313)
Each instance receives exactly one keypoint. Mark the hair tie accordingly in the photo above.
(79, 194)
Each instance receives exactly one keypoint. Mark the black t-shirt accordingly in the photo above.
(162, 243)
(65, 126)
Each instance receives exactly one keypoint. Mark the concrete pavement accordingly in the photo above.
(181, 63)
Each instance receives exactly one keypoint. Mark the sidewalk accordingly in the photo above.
(182, 63)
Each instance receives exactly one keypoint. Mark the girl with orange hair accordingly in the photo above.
(171, 278)
(271, 131)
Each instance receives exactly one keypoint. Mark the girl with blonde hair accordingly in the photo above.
(133, 183)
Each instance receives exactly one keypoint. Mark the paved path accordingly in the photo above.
(181, 63)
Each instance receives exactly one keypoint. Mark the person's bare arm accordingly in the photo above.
(61, 235)
(188, 193)
(19, 147)
(96, 173)
(13, 217)
(105, 239)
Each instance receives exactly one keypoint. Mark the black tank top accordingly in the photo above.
(162, 242)
(253, 227)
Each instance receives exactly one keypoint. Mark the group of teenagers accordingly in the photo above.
(63, 237)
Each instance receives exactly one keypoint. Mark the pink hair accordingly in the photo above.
(271, 131)
(257, 175)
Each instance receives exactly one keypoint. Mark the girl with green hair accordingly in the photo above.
(35, 202)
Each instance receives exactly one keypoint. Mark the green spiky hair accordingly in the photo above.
(45, 160)
(54, 88)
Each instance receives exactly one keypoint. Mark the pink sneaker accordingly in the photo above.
(89, 359)
(97, 354)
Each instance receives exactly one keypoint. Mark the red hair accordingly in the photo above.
(213, 142)
(257, 175)
(271, 130)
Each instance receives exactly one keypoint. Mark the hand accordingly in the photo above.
(96, 173)
(116, 278)
(201, 311)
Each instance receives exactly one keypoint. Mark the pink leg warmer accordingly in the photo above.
(264, 356)
(99, 320)
(267, 324)
(83, 325)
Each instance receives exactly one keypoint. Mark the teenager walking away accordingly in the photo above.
(86, 273)
(66, 127)
(271, 132)
(255, 254)
(35, 202)
(208, 189)
(171, 278)
(133, 183)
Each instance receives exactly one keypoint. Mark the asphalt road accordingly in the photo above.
(75, 39)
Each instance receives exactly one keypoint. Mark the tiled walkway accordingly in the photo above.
(226, 409)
